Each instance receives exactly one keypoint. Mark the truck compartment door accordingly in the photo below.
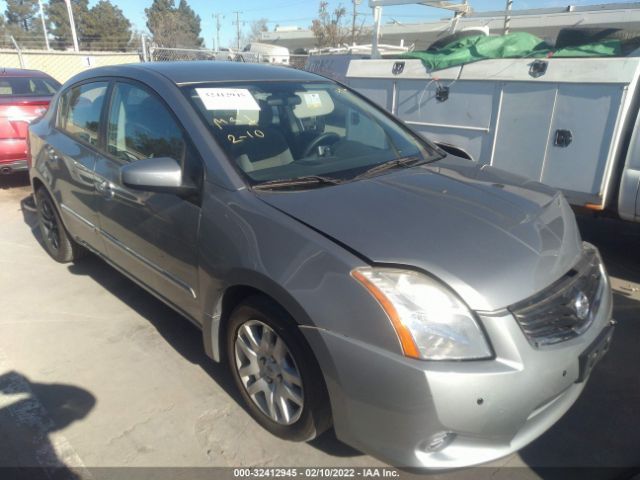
(588, 112)
(523, 127)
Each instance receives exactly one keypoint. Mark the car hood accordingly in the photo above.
(493, 237)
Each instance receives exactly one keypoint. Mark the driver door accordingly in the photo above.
(152, 236)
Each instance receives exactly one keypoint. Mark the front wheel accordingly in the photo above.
(276, 372)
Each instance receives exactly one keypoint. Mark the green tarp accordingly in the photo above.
(513, 45)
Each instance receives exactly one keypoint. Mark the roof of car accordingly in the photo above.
(214, 71)
(21, 72)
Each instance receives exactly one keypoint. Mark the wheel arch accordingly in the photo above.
(36, 184)
(214, 325)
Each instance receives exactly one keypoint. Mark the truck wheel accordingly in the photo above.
(275, 371)
(57, 241)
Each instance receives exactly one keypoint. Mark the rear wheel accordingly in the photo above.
(57, 241)
(275, 371)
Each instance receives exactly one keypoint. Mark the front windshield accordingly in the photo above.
(290, 130)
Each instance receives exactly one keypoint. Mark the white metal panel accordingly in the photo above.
(469, 103)
(377, 90)
(463, 120)
(472, 143)
(559, 70)
(590, 112)
(523, 128)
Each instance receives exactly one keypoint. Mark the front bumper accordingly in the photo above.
(393, 407)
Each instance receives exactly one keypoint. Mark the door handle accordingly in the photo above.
(105, 188)
(51, 153)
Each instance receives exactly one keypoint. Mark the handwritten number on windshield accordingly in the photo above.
(249, 134)
(221, 122)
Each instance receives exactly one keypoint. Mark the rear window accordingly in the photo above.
(28, 86)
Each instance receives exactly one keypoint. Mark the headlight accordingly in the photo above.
(430, 320)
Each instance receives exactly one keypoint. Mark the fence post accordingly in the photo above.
(15, 44)
(152, 49)
(507, 16)
(144, 48)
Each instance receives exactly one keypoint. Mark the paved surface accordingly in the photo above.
(95, 372)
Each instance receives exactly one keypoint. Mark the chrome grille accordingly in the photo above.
(558, 312)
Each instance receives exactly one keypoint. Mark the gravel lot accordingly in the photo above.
(95, 372)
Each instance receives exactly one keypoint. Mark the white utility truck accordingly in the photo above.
(571, 123)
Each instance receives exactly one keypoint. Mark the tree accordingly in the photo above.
(329, 28)
(107, 28)
(23, 23)
(59, 18)
(191, 25)
(21, 13)
(4, 40)
(256, 29)
(173, 27)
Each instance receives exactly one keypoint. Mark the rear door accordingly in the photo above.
(153, 236)
(70, 155)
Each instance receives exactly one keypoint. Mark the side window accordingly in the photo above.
(79, 111)
(140, 126)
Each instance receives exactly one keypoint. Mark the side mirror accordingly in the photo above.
(162, 174)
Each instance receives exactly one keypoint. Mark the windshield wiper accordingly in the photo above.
(391, 164)
(308, 180)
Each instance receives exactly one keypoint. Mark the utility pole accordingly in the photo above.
(217, 39)
(72, 24)
(353, 22)
(237, 29)
(44, 26)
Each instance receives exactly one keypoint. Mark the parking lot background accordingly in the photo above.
(95, 372)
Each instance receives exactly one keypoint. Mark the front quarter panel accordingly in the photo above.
(244, 242)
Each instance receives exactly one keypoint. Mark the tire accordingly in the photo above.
(289, 376)
(57, 241)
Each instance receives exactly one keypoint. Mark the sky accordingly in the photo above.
(300, 13)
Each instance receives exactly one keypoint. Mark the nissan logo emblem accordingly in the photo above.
(581, 306)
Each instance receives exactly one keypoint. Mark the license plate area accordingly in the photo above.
(594, 352)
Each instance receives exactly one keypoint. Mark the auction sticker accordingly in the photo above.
(313, 100)
(227, 99)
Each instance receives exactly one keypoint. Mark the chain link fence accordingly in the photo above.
(164, 54)
(34, 41)
(62, 63)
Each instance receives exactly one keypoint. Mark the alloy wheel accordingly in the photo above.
(268, 372)
(49, 223)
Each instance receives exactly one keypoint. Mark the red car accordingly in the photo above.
(24, 96)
